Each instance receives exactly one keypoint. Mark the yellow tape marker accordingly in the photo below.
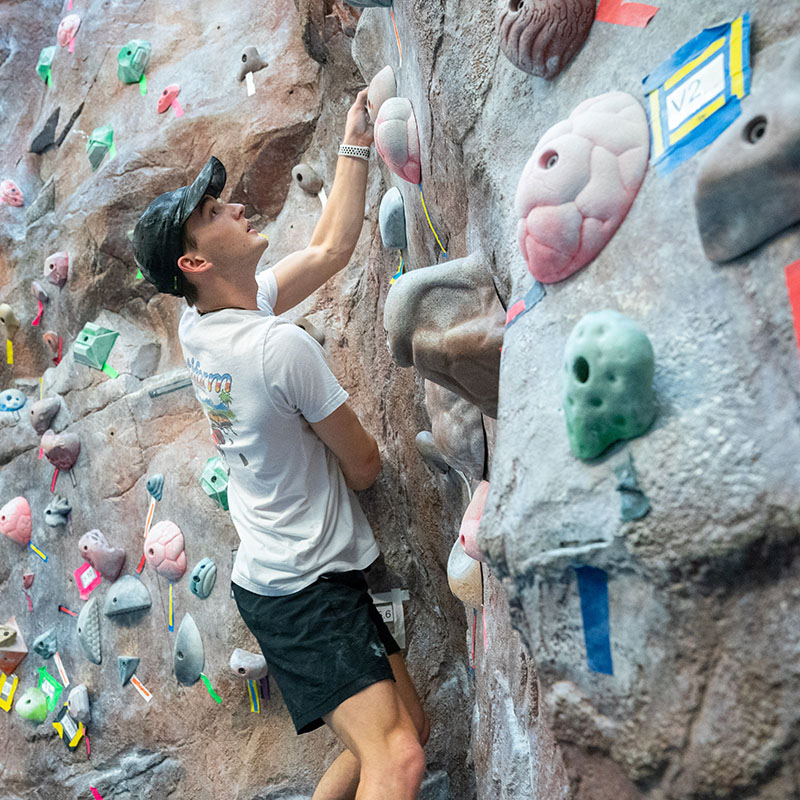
(171, 617)
(424, 208)
(9, 351)
(255, 701)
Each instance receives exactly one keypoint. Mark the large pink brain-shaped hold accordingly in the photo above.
(580, 183)
(397, 139)
(15, 520)
(542, 36)
(67, 29)
(163, 549)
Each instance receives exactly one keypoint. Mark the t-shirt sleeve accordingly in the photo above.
(297, 375)
(267, 291)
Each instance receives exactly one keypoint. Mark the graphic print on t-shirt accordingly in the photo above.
(215, 396)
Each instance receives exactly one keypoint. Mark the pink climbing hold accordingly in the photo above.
(163, 549)
(67, 29)
(468, 535)
(10, 193)
(580, 183)
(56, 268)
(61, 449)
(397, 138)
(169, 97)
(15, 520)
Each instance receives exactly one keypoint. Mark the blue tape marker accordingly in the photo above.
(593, 588)
(522, 307)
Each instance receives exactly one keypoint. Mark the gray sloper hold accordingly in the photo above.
(188, 657)
(245, 664)
(57, 511)
(392, 220)
(88, 627)
(78, 703)
(749, 179)
(126, 667)
(41, 413)
(250, 61)
(46, 644)
(204, 576)
(126, 595)
(430, 453)
(307, 178)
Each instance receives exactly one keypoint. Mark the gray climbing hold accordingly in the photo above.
(188, 657)
(250, 61)
(126, 667)
(430, 452)
(126, 595)
(88, 627)
(46, 644)
(310, 329)
(307, 178)
(392, 220)
(78, 703)
(204, 576)
(155, 485)
(633, 501)
(57, 511)
(245, 664)
(41, 413)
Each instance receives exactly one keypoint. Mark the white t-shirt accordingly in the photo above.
(260, 380)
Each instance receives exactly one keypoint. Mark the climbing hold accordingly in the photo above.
(468, 535)
(542, 36)
(397, 138)
(61, 449)
(9, 319)
(126, 595)
(155, 485)
(307, 178)
(56, 269)
(579, 185)
(15, 522)
(465, 577)
(42, 413)
(608, 382)
(100, 142)
(38, 291)
(169, 97)
(430, 453)
(204, 576)
(57, 512)
(244, 664)
(214, 481)
(126, 667)
(67, 29)
(250, 61)
(381, 88)
(7, 635)
(132, 60)
(46, 644)
(163, 549)
(78, 703)
(633, 501)
(311, 329)
(45, 65)
(392, 220)
(12, 653)
(12, 400)
(88, 627)
(93, 345)
(749, 177)
(188, 657)
(32, 705)
(10, 193)
(107, 560)
(27, 580)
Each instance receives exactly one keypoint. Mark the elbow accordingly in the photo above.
(367, 472)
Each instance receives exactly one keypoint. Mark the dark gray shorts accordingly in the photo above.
(323, 644)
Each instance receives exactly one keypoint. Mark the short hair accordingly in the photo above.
(189, 289)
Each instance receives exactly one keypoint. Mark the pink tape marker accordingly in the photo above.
(618, 12)
(178, 108)
(39, 315)
(69, 5)
(71, 47)
(95, 793)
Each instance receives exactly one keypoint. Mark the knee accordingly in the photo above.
(408, 757)
(424, 729)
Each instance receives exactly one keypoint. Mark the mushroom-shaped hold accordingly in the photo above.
(9, 319)
(188, 657)
(163, 549)
(580, 183)
(168, 97)
(78, 703)
(204, 576)
(132, 60)
(12, 400)
(392, 220)
(251, 666)
(57, 512)
(397, 138)
(88, 628)
(15, 520)
(32, 705)
(465, 577)
(128, 594)
(42, 413)
(307, 178)
(468, 535)
(608, 382)
(381, 88)
(10, 193)
(62, 449)
(250, 61)
(56, 268)
(542, 36)
(107, 560)
(67, 29)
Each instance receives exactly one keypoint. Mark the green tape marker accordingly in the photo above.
(207, 682)
(110, 371)
(139, 275)
(112, 151)
(143, 85)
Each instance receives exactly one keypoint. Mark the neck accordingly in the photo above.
(225, 295)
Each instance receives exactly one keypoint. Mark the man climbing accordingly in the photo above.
(295, 450)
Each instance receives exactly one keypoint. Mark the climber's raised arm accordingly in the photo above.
(336, 234)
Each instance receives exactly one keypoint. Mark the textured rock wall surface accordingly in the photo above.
(703, 591)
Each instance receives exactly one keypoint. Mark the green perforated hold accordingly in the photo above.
(214, 481)
(45, 64)
(100, 142)
(132, 60)
(32, 705)
(608, 382)
(93, 345)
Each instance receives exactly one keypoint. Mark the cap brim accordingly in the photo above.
(210, 180)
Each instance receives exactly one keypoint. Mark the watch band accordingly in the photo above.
(354, 151)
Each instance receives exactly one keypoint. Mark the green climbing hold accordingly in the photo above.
(132, 60)
(93, 345)
(214, 481)
(32, 705)
(608, 382)
(45, 64)
(100, 142)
